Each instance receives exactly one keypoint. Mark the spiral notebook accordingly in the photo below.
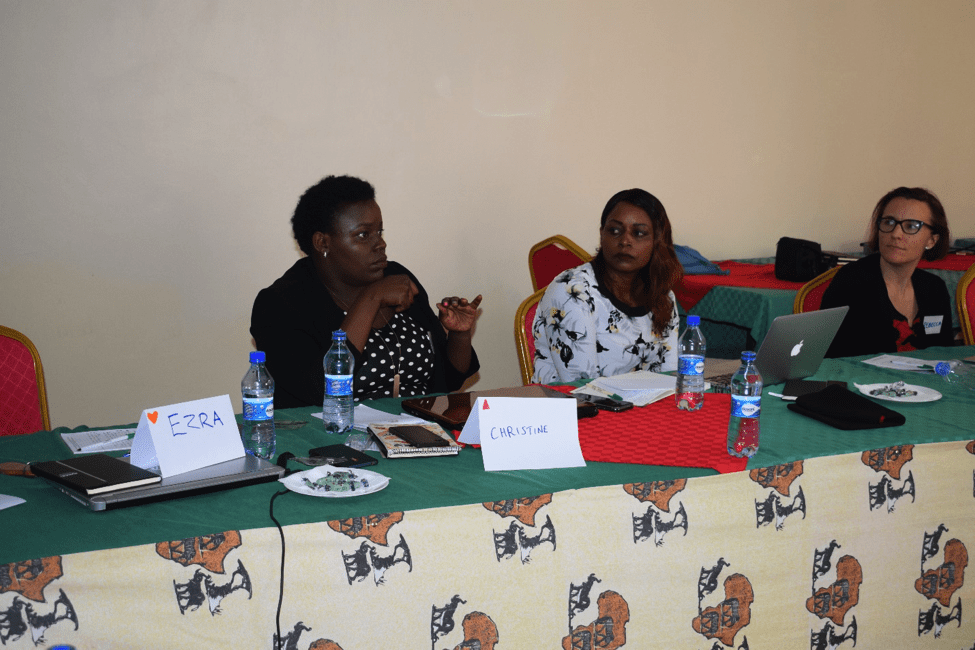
(393, 446)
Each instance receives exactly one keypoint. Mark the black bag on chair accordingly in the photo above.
(799, 260)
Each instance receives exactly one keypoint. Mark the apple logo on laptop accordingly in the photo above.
(797, 348)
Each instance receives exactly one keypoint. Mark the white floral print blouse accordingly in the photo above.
(580, 334)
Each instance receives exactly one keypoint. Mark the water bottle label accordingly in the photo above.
(338, 385)
(746, 407)
(258, 408)
(690, 365)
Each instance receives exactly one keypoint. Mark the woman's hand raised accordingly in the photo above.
(457, 314)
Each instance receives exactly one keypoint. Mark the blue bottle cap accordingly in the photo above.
(257, 357)
(338, 335)
(747, 355)
(693, 321)
(942, 369)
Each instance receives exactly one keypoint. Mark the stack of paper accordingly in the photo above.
(642, 387)
(902, 363)
(363, 417)
(102, 440)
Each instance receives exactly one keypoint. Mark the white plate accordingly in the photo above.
(335, 482)
(924, 394)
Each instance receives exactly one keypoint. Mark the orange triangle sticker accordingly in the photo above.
(485, 407)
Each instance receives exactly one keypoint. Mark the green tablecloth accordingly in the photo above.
(49, 523)
(736, 318)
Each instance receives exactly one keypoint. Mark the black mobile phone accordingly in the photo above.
(604, 403)
(418, 436)
(343, 456)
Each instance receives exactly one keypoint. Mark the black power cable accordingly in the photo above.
(277, 615)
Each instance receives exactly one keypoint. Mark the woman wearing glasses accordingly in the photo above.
(894, 306)
(401, 347)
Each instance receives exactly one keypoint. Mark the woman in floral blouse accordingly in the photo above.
(617, 313)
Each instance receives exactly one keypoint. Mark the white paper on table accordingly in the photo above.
(525, 432)
(892, 362)
(99, 440)
(639, 380)
(7, 501)
(641, 388)
(363, 416)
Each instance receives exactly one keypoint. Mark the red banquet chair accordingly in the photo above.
(551, 256)
(810, 295)
(965, 299)
(524, 340)
(23, 396)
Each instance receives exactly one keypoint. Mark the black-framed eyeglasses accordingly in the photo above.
(909, 226)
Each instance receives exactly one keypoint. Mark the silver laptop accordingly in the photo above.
(238, 472)
(794, 346)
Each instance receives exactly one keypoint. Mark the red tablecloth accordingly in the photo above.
(953, 262)
(662, 434)
(761, 276)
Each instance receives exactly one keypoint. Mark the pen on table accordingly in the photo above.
(105, 443)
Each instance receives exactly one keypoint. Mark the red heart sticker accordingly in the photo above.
(153, 416)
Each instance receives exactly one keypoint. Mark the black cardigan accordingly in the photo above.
(292, 322)
(868, 327)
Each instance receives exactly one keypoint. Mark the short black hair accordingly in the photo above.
(322, 202)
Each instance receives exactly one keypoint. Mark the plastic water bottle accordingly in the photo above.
(746, 407)
(337, 405)
(690, 366)
(257, 389)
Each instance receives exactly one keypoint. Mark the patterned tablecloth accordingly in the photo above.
(866, 548)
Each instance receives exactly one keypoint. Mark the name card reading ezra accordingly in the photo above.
(184, 437)
(524, 432)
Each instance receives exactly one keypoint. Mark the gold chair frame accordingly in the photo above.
(806, 289)
(526, 360)
(560, 241)
(38, 371)
(964, 315)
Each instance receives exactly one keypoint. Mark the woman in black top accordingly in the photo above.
(894, 306)
(400, 346)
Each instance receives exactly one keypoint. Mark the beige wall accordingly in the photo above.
(151, 152)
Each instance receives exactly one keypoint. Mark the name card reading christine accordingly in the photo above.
(525, 432)
(512, 431)
(184, 437)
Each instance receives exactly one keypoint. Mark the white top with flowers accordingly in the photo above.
(580, 334)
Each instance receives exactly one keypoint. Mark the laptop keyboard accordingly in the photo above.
(721, 383)
(724, 370)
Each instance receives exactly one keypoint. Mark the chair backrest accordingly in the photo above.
(965, 299)
(524, 339)
(810, 295)
(23, 396)
(551, 256)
